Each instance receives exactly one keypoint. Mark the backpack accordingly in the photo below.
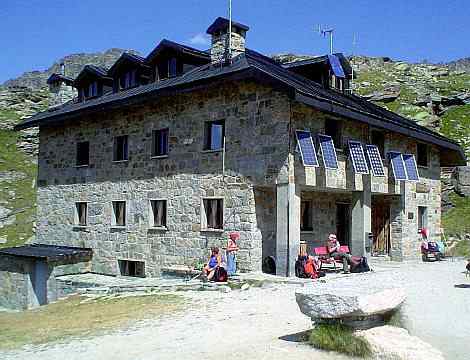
(311, 270)
(359, 264)
(220, 274)
(300, 267)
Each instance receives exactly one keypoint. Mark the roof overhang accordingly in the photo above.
(50, 253)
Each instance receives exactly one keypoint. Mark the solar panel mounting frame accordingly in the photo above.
(323, 151)
(316, 163)
(355, 167)
(377, 157)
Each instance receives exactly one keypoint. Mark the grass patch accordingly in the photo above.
(455, 124)
(74, 317)
(456, 221)
(23, 202)
(339, 338)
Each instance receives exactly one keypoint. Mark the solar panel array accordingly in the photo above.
(336, 66)
(358, 157)
(375, 160)
(398, 165)
(307, 149)
(411, 168)
(328, 152)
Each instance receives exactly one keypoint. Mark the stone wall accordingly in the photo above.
(14, 282)
(256, 127)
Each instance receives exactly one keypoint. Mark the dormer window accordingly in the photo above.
(172, 68)
(128, 80)
(93, 89)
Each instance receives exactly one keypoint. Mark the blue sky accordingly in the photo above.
(34, 33)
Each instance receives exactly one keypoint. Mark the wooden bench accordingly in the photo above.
(325, 258)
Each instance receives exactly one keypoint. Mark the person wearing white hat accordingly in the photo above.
(333, 247)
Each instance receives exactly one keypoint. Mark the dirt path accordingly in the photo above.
(261, 323)
(237, 325)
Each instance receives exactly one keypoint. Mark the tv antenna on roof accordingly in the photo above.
(230, 30)
(327, 31)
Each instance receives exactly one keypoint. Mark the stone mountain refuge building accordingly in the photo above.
(157, 159)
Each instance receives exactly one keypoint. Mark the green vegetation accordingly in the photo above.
(18, 195)
(457, 220)
(339, 338)
(456, 125)
(79, 316)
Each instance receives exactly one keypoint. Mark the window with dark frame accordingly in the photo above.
(81, 213)
(120, 148)
(92, 90)
(214, 135)
(378, 138)
(214, 211)
(160, 142)
(83, 153)
(158, 213)
(422, 157)
(333, 129)
(306, 216)
(128, 80)
(132, 268)
(172, 67)
(422, 217)
(119, 211)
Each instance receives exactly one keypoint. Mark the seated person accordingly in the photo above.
(333, 247)
(215, 261)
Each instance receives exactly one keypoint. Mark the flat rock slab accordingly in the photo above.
(393, 343)
(348, 298)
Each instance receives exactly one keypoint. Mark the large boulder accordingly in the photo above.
(393, 343)
(347, 299)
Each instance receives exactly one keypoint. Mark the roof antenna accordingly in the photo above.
(325, 32)
(230, 31)
(353, 51)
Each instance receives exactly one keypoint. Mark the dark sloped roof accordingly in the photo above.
(97, 71)
(263, 69)
(222, 24)
(320, 60)
(49, 252)
(59, 77)
(183, 49)
(126, 58)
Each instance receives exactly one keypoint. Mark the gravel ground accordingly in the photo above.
(261, 323)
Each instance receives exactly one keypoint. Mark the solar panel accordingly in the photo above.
(358, 157)
(411, 168)
(328, 152)
(375, 160)
(336, 66)
(307, 149)
(398, 165)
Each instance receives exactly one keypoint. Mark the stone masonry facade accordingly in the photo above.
(259, 128)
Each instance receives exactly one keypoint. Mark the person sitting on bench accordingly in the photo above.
(333, 247)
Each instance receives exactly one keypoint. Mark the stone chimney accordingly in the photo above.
(220, 40)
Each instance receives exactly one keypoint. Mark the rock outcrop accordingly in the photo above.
(393, 343)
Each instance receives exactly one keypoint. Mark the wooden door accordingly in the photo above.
(381, 227)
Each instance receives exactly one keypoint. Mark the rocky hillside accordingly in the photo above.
(437, 96)
(19, 98)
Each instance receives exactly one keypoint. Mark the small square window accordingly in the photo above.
(132, 268)
(213, 214)
(128, 80)
(158, 213)
(83, 153)
(91, 90)
(119, 213)
(81, 213)
(120, 148)
(160, 142)
(333, 129)
(306, 216)
(214, 135)
(422, 155)
(422, 217)
(377, 138)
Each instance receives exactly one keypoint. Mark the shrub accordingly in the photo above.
(339, 338)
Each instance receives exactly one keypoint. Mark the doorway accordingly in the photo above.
(343, 215)
(380, 226)
(41, 274)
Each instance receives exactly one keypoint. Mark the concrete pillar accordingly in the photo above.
(288, 228)
(361, 222)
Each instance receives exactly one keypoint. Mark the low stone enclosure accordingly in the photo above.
(28, 273)
(365, 303)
